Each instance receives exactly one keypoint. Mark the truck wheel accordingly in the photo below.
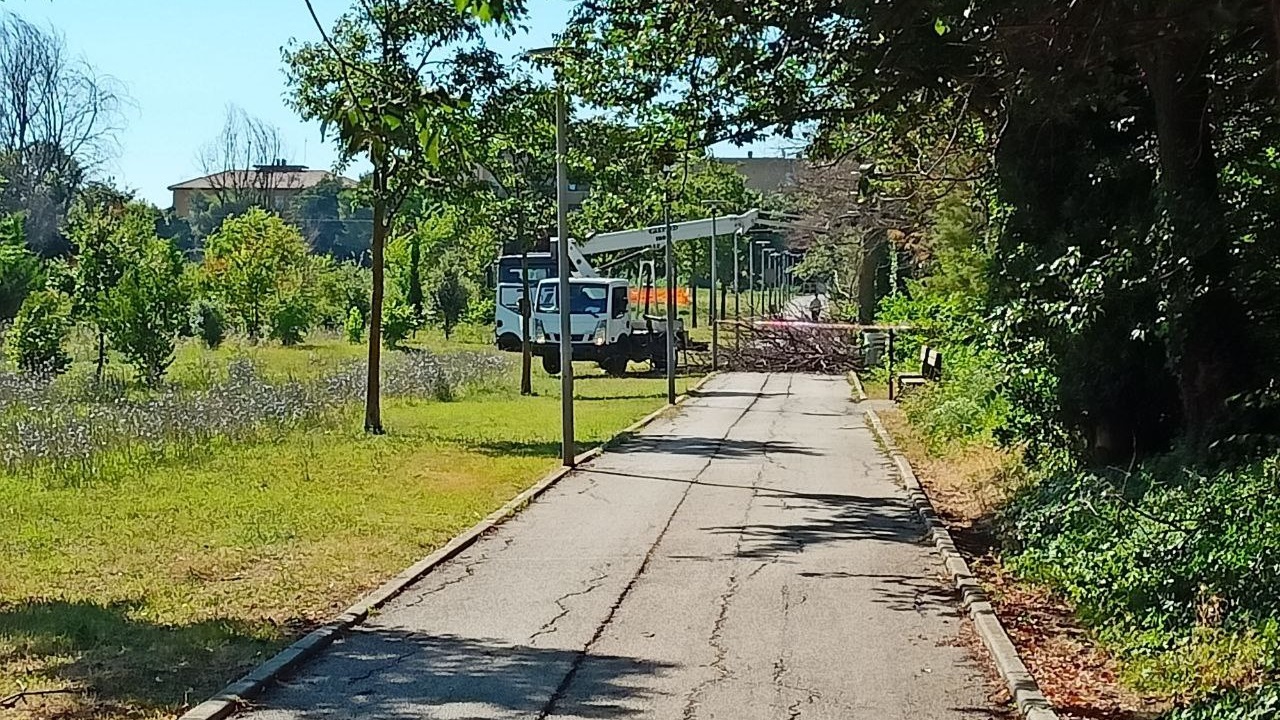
(551, 364)
(615, 365)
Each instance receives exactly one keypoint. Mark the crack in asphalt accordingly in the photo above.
(716, 640)
(550, 626)
(567, 681)
(376, 669)
(468, 569)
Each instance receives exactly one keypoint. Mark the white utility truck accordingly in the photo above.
(605, 329)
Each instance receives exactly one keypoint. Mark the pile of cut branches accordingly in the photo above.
(794, 346)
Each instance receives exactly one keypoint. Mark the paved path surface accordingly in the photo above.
(749, 557)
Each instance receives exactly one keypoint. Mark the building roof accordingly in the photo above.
(288, 178)
(766, 175)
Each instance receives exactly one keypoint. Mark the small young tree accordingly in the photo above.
(20, 271)
(107, 239)
(398, 323)
(450, 295)
(391, 78)
(36, 342)
(250, 264)
(148, 307)
(211, 323)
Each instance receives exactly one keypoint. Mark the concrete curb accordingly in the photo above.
(859, 392)
(1026, 692)
(234, 697)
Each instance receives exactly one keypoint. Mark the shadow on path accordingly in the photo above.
(810, 520)
(391, 673)
(708, 446)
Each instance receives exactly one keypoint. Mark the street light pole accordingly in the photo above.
(751, 276)
(737, 275)
(568, 449)
(671, 289)
(715, 314)
(715, 328)
(764, 277)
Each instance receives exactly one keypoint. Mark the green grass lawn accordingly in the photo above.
(147, 592)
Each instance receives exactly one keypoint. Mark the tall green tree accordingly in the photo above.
(519, 161)
(252, 264)
(107, 239)
(392, 79)
(1126, 134)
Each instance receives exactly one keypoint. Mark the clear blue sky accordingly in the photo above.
(183, 61)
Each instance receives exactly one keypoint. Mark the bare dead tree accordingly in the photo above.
(244, 163)
(845, 234)
(59, 121)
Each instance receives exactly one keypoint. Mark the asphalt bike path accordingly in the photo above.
(748, 556)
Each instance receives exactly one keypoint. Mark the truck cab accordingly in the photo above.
(600, 322)
(507, 331)
(604, 328)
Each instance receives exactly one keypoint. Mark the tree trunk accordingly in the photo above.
(526, 307)
(373, 389)
(102, 354)
(415, 279)
(1208, 325)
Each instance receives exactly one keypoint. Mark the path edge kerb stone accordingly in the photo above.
(1026, 693)
(236, 696)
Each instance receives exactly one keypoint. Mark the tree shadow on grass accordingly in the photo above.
(392, 673)
(118, 663)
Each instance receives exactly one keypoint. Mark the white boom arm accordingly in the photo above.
(656, 236)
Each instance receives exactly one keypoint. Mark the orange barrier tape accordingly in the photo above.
(658, 297)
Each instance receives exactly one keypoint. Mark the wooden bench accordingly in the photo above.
(930, 370)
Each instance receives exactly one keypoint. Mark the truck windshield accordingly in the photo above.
(588, 299)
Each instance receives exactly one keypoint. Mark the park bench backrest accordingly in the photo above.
(931, 369)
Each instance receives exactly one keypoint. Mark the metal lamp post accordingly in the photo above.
(671, 287)
(737, 275)
(567, 446)
(764, 276)
(715, 273)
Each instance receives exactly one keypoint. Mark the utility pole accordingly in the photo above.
(671, 288)
(568, 447)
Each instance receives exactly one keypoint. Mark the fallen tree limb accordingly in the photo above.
(11, 701)
(794, 346)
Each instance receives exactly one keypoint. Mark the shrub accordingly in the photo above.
(398, 323)
(20, 271)
(290, 320)
(211, 324)
(35, 342)
(353, 327)
(146, 310)
(1151, 555)
(450, 295)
